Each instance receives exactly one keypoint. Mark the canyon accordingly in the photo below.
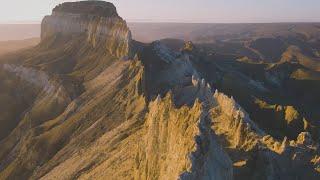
(90, 102)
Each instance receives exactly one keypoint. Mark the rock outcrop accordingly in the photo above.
(97, 20)
(179, 144)
(37, 78)
(154, 117)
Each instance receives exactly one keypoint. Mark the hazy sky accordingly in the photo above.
(180, 10)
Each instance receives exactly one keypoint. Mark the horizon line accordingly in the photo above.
(170, 22)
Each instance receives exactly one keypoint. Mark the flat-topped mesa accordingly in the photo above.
(97, 20)
(96, 8)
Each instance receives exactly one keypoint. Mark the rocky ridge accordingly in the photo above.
(152, 117)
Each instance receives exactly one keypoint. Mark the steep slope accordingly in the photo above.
(92, 111)
(53, 75)
(98, 20)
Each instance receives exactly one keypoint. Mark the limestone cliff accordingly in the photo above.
(93, 116)
(97, 20)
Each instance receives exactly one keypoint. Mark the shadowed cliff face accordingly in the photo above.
(89, 113)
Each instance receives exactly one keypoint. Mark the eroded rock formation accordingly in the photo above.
(97, 20)
(153, 117)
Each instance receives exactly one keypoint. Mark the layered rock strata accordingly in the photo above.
(98, 21)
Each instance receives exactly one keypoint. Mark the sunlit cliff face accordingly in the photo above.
(99, 22)
(90, 113)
